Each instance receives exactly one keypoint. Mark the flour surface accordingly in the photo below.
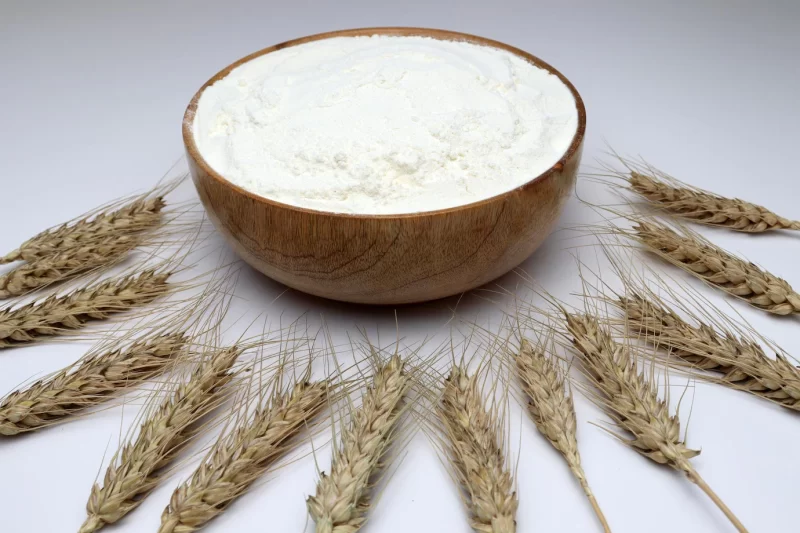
(380, 125)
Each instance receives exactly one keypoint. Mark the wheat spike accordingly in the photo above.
(93, 381)
(704, 207)
(65, 265)
(57, 315)
(741, 362)
(719, 268)
(342, 498)
(135, 217)
(161, 437)
(477, 456)
(240, 457)
(552, 410)
(632, 401)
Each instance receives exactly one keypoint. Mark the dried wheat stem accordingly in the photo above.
(135, 217)
(129, 480)
(707, 208)
(57, 315)
(741, 362)
(477, 455)
(719, 268)
(342, 498)
(552, 410)
(632, 401)
(240, 457)
(93, 381)
(65, 265)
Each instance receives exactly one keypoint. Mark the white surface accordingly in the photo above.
(431, 124)
(93, 95)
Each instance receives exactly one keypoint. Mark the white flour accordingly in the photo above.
(379, 125)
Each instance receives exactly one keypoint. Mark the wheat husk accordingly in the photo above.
(718, 268)
(88, 383)
(343, 498)
(736, 362)
(137, 468)
(65, 265)
(632, 402)
(135, 217)
(476, 453)
(679, 199)
(551, 408)
(241, 456)
(57, 315)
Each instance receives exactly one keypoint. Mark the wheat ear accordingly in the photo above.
(93, 381)
(343, 498)
(703, 207)
(57, 315)
(161, 437)
(553, 411)
(135, 217)
(241, 456)
(742, 362)
(632, 402)
(719, 268)
(477, 455)
(65, 265)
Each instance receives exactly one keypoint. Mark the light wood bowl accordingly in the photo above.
(387, 259)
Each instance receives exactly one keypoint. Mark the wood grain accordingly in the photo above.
(387, 259)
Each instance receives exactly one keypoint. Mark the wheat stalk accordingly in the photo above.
(342, 498)
(241, 456)
(161, 437)
(65, 265)
(703, 207)
(135, 217)
(477, 456)
(632, 402)
(87, 384)
(553, 411)
(742, 362)
(57, 315)
(719, 268)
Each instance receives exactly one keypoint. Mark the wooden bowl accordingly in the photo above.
(387, 259)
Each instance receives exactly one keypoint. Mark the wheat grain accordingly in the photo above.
(741, 362)
(241, 456)
(552, 409)
(65, 265)
(57, 315)
(719, 268)
(477, 456)
(135, 217)
(161, 437)
(87, 384)
(342, 498)
(704, 207)
(632, 401)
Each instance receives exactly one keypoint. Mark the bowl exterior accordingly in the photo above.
(388, 259)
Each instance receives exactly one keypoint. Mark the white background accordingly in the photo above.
(91, 100)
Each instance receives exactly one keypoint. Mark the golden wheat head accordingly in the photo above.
(87, 384)
(737, 362)
(477, 455)
(57, 315)
(239, 458)
(136, 217)
(719, 268)
(343, 498)
(136, 469)
(632, 402)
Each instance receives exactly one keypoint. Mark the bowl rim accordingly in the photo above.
(574, 146)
